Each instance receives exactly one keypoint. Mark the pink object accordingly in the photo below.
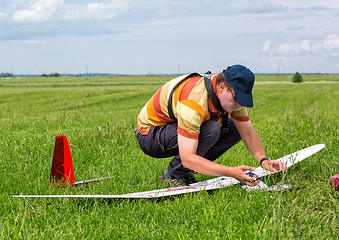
(335, 181)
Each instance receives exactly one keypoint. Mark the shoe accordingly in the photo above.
(166, 179)
(177, 182)
(190, 178)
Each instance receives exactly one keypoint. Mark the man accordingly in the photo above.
(196, 118)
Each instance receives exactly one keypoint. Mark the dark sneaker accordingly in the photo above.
(177, 182)
(190, 178)
(168, 179)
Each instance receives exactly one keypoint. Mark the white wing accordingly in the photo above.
(215, 183)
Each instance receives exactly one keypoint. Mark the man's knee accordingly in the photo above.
(210, 129)
(209, 135)
(161, 142)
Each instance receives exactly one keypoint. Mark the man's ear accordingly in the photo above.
(221, 87)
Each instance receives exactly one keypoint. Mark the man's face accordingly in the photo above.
(227, 98)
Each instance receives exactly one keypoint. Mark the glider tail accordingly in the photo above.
(62, 172)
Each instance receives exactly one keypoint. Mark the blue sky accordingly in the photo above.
(167, 36)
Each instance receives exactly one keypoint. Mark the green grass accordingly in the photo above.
(98, 115)
(308, 78)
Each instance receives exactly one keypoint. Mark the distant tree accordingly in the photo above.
(54, 75)
(297, 78)
(50, 75)
(6, 75)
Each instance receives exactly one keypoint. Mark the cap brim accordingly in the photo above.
(244, 99)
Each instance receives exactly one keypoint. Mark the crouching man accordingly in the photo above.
(196, 118)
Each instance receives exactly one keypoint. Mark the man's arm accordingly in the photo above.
(189, 158)
(254, 144)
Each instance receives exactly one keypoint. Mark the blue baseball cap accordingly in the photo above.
(242, 80)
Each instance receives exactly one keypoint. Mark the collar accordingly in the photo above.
(211, 108)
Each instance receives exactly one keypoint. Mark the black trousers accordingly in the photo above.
(162, 142)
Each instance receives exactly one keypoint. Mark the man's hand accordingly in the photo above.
(274, 166)
(239, 173)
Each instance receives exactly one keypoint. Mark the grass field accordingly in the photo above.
(98, 116)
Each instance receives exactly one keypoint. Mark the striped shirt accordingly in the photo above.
(191, 107)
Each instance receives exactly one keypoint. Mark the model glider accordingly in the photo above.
(215, 183)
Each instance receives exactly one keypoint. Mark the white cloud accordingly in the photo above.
(306, 45)
(331, 42)
(40, 11)
(96, 6)
(266, 46)
(96, 10)
(295, 47)
(329, 45)
(103, 11)
(33, 42)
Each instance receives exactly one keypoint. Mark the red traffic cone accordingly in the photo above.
(62, 172)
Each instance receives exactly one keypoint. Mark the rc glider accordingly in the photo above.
(62, 170)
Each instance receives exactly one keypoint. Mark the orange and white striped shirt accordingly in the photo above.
(191, 106)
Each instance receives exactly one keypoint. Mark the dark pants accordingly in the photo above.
(162, 142)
